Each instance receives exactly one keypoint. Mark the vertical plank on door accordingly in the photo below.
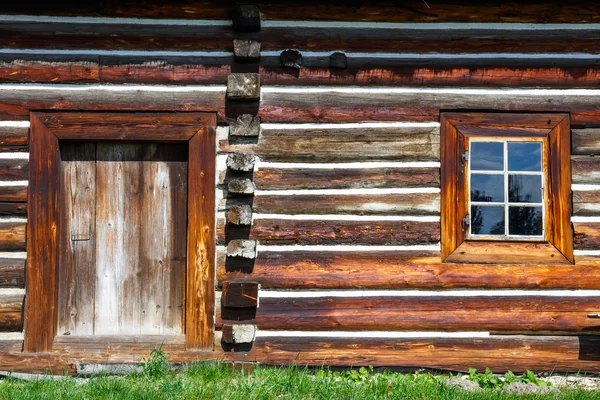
(162, 238)
(118, 207)
(77, 249)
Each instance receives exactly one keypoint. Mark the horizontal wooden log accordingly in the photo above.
(13, 193)
(12, 273)
(312, 232)
(586, 235)
(378, 73)
(454, 40)
(15, 104)
(586, 203)
(585, 169)
(499, 353)
(355, 106)
(363, 204)
(42, 363)
(11, 312)
(13, 209)
(14, 169)
(191, 71)
(399, 143)
(14, 136)
(401, 270)
(10, 345)
(374, 11)
(48, 71)
(428, 313)
(12, 236)
(351, 178)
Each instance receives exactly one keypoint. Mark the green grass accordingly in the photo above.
(212, 380)
(218, 381)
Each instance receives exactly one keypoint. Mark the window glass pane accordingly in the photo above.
(487, 220)
(486, 187)
(525, 188)
(487, 156)
(524, 156)
(525, 220)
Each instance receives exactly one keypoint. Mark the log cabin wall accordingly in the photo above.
(328, 171)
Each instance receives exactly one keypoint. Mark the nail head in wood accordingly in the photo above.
(245, 125)
(239, 333)
(241, 186)
(243, 86)
(240, 294)
(244, 248)
(239, 215)
(245, 18)
(246, 50)
(338, 60)
(240, 162)
(291, 59)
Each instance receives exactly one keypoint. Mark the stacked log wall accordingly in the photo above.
(345, 210)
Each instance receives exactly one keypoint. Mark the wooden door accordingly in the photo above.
(119, 240)
(122, 248)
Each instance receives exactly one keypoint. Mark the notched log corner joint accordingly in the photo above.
(246, 50)
(243, 86)
(243, 248)
(245, 125)
(239, 333)
(241, 162)
(239, 215)
(241, 187)
(240, 294)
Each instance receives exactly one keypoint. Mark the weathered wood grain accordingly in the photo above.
(587, 235)
(14, 136)
(585, 169)
(48, 71)
(401, 270)
(12, 236)
(351, 178)
(14, 169)
(12, 346)
(41, 285)
(13, 193)
(428, 313)
(162, 248)
(365, 72)
(376, 11)
(499, 353)
(77, 239)
(280, 231)
(164, 72)
(586, 141)
(12, 273)
(141, 203)
(400, 144)
(11, 312)
(367, 204)
(586, 202)
(332, 106)
(13, 209)
(201, 242)
(15, 104)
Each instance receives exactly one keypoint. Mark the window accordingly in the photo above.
(506, 182)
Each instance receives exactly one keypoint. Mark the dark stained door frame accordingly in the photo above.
(47, 128)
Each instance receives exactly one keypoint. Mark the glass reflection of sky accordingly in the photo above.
(487, 220)
(525, 188)
(487, 156)
(485, 187)
(524, 156)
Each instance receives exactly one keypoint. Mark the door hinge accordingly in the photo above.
(464, 157)
(466, 221)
